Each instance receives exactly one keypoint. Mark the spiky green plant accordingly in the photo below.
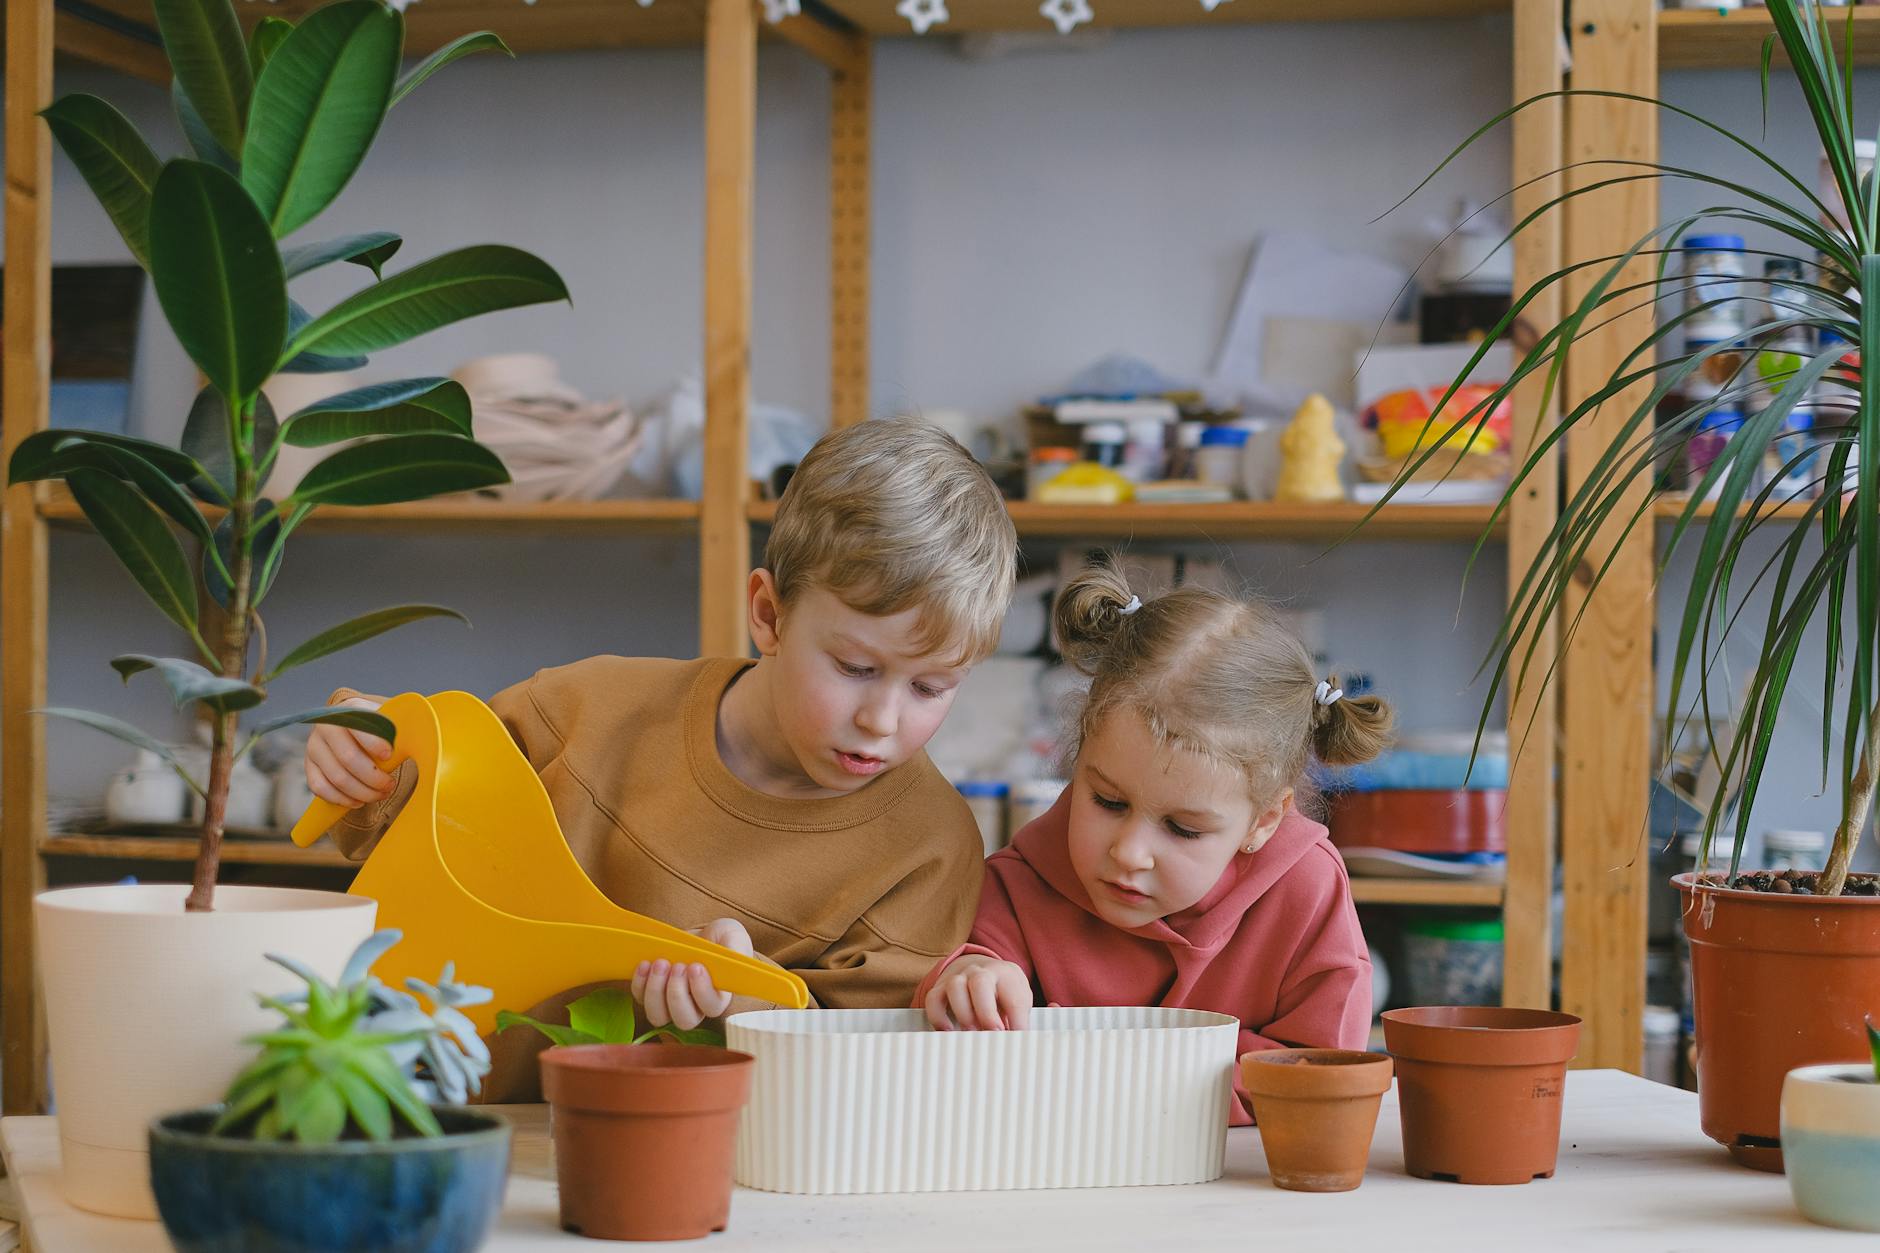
(1829, 597)
(276, 124)
(346, 1061)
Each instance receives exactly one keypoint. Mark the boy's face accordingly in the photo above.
(856, 695)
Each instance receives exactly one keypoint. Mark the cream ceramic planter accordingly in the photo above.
(1831, 1143)
(873, 1100)
(147, 1006)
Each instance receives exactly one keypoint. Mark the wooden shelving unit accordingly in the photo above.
(235, 852)
(1426, 892)
(1694, 39)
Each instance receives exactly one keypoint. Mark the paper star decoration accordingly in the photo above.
(922, 15)
(777, 10)
(1067, 14)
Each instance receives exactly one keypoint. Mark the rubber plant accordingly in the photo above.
(1824, 577)
(276, 123)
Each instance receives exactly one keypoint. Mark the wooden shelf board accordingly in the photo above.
(1238, 520)
(878, 17)
(1671, 508)
(1706, 39)
(649, 516)
(235, 852)
(1424, 892)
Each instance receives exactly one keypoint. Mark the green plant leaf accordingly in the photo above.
(317, 107)
(406, 407)
(114, 160)
(142, 541)
(369, 1109)
(264, 543)
(357, 631)
(196, 132)
(398, 468)
(462, 46)
(333, 716)
(377, 1068)
(505, 1019)
(206, 436)
(449, 288)
(210, 63)
(1873, 1039)
(37, 456)
(372, 250)
(322, 1113)
(218, 275)
(158, 488)
(263, 41)
(121, 730)
(697, 1035)
(606, 1014)
(314, 362)
(189, 682)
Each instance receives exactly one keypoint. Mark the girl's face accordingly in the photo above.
(1153, 827)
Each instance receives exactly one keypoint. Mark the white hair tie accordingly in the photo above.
(1329, 695)
(1135, 603)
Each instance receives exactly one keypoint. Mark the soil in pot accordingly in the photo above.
(645, 1137)
(1317, 1110)
(219, 1194)
(1779, 980)
(1479, 1090)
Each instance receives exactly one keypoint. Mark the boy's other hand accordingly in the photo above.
(976, 993)
(682, 994)
(343, 766)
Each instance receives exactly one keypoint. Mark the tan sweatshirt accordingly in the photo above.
(859, 894)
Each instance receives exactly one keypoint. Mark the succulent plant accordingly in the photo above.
(357, 1059)
(605, 1016)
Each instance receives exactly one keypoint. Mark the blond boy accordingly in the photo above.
(783, 806)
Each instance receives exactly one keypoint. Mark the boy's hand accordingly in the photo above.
(976, 993)
(343, 766)
(683, 994)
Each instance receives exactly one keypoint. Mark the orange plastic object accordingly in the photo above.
(475, 870)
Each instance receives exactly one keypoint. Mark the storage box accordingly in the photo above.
(874, 1100)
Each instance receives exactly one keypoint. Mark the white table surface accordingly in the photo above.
(1635, 1173)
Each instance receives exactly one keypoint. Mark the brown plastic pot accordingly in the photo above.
(1317, 1110)
(644, 1137)
(1777, 982)
(1420, 820)
(1479, 1090)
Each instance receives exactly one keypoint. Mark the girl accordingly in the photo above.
(1175, 870)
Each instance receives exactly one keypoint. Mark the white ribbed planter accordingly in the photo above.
(873, 1100)
(147, 1006)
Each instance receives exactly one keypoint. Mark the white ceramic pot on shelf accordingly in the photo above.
(146, 793)
(147, 1006)
(1831, 1143)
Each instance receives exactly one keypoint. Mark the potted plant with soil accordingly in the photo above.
(645, 1134)
(1317, 1110)
(333, 1137)
(1759, 392)
(276, 122)
(1831, 1140)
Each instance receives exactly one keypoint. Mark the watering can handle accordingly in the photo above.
(322, 814)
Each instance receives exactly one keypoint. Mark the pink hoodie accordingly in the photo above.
(1275, 943)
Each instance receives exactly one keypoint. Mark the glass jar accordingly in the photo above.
(1219, 459)
(1713, 272)
(1104, 443)
(986, 798)
(1707, 444)
(1146, 456)
(1181, 456)
(1795, 850)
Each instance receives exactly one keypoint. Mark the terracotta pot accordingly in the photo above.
(1479, 1088)
(1777, 982)
(1420, 820)
(644, 1137)
(1317, 1110)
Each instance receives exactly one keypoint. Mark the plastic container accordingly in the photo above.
(1220, 458)
(987, 801)
(1046, 464)
(1104, 444)
(1662, 1033)
(1707, 444)
(1800, 850)
(1794, 460)
(1029, 800)
(1146, 455)
(1453, 961)
(1713, 271)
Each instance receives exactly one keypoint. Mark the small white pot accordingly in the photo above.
(1831, 1143)
(146, 793)
(147, 1006)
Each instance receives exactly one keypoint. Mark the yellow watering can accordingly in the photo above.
(475, 870)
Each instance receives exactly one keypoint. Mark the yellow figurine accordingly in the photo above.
(1310, 451)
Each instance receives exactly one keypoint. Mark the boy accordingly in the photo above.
(782, 806)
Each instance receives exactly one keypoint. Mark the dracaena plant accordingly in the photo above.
(276, 124)
(1824, 577)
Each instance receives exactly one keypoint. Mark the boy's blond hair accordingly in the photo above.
(892, 515)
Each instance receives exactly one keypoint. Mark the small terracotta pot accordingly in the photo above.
(1777, 982)
(1317, 1110)
(644, 1137)
(1479, 1088)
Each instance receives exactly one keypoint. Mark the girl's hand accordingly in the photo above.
(343, 766)
(977, 993)
(684, 994)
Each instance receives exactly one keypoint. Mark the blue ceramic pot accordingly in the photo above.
(221, 1195)
(1831, 1143)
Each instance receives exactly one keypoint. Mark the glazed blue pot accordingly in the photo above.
(221, 1195)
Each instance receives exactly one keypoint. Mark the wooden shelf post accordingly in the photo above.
(28, 349)
(1607, 689)
(849, 125)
